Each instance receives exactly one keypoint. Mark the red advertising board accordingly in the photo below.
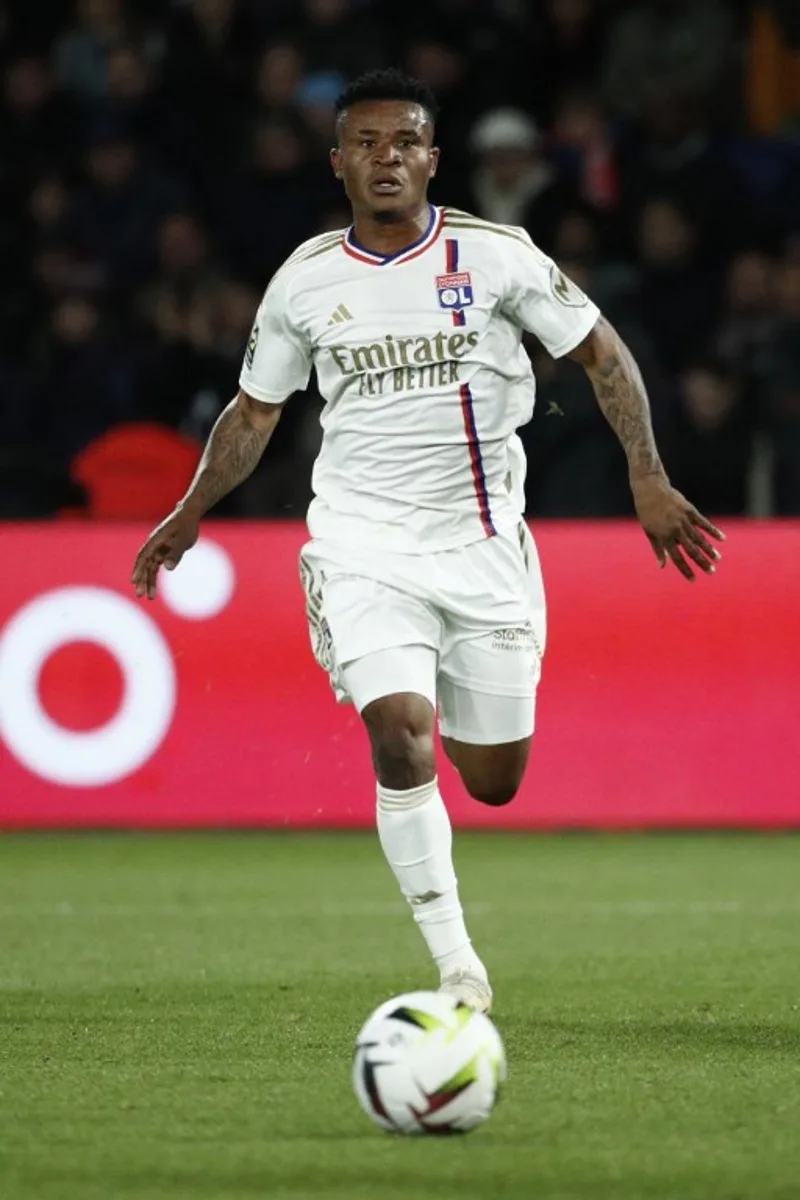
(662, 704)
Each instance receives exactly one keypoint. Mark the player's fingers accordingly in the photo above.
(658, 550)
(139, 574)
(703, 523)
(694, 552)
(149, 572)
(680, 562)
(152, 575)
(694, 533)
(143, 567)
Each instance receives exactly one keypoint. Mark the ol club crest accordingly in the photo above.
(454, 290)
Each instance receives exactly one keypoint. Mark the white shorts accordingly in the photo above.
(464, 627)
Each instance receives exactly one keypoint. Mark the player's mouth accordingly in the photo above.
(386, 185)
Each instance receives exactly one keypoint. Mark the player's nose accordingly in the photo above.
(387, 155)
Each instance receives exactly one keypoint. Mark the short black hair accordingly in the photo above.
(387, 84)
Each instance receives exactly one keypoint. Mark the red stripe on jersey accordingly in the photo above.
(476, 461)
(451, 258)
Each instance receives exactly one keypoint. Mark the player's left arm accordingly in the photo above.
(674, 526)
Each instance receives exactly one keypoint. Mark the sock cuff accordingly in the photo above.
(393, 801)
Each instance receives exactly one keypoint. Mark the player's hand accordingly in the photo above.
(676, 530)
(166, 546)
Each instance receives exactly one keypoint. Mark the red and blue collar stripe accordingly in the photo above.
(355, 250)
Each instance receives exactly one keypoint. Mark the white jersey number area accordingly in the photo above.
(425, 380)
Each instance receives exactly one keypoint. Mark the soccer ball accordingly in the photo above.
(426, 1063)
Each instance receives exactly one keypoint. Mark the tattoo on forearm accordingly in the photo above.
(232, 453)
(622, 397)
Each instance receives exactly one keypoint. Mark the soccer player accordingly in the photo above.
(423, 586)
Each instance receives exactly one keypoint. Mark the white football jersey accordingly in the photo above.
(425, 380)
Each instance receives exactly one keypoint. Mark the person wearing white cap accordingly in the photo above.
(513, 182)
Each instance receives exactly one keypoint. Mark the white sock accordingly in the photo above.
(417, 840)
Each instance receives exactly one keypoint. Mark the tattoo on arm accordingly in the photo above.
(621, 394)
(232, 452)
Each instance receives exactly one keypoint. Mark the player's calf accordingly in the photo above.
(491, 774)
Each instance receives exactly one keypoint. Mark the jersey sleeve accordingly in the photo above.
(541, 299)
(277, 361)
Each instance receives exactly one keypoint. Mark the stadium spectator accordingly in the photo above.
(277, 180)
(131, 100)
(210, 49)
(83, 379)
(39, 127)
(713, 438)
(82, 52)
(671, 154)
(564, 39)
(659, 49)
(513, 182)
(280, 70)
(338, 35)
(678, 292)
(748, 322)
(316, 99)
(117, 209)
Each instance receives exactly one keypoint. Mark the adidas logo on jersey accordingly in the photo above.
(341, 315)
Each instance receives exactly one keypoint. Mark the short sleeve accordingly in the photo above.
(277, 361)
(543, 300)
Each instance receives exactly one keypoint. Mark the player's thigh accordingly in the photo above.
(487, 706)
(352, 618)
(397, 671)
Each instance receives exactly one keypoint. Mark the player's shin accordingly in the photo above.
(417, 840)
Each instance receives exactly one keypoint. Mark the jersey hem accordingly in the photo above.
(362, 541)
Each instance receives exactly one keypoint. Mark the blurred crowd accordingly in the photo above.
(159, 160)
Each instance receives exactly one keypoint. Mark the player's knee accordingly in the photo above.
(402, 743)
(495, 792)
(404, 756)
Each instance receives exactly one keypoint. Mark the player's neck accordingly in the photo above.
(382, 236)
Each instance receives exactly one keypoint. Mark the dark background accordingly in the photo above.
(159, 160)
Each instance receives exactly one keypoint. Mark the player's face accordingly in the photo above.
(385, 157)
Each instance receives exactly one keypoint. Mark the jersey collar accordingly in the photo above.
(355, 250)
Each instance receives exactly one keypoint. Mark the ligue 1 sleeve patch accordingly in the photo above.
(250, 352)
(565, 291)
(454, 290)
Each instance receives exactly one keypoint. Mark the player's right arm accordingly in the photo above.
(277, 362)
(232, 452)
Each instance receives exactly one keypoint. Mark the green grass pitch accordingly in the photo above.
(177, 1015)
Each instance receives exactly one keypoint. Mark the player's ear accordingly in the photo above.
(434, 161)
(336, 162)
